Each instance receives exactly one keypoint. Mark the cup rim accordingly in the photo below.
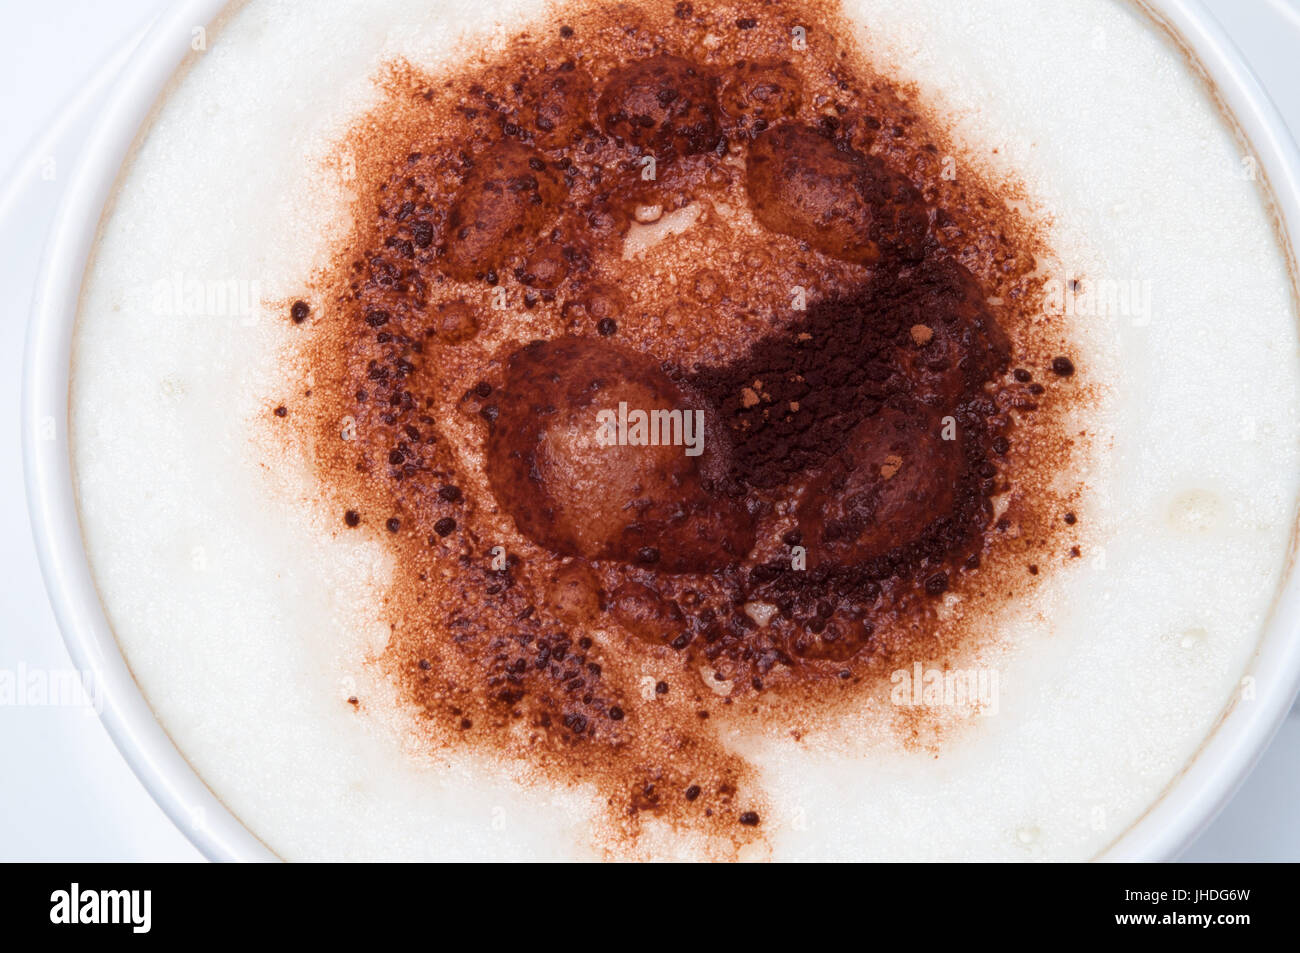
(1216, 770)
(1187, 805)
(47, 465)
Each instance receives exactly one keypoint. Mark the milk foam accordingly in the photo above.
(247, 617)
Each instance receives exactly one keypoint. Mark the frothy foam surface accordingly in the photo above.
(248, 621)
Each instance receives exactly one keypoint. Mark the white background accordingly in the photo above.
(65, 792)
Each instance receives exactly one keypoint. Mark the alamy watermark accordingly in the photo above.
(922, 687)
(1097, 297)
(189, 297)
(651, 428)
(132, 908)
(26, 687)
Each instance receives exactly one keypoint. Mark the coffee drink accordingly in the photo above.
(672, 430)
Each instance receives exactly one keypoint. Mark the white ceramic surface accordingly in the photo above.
(1191, 802)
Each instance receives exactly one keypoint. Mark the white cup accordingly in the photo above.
(1189, 803)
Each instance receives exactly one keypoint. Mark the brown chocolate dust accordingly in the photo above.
(680, 208)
